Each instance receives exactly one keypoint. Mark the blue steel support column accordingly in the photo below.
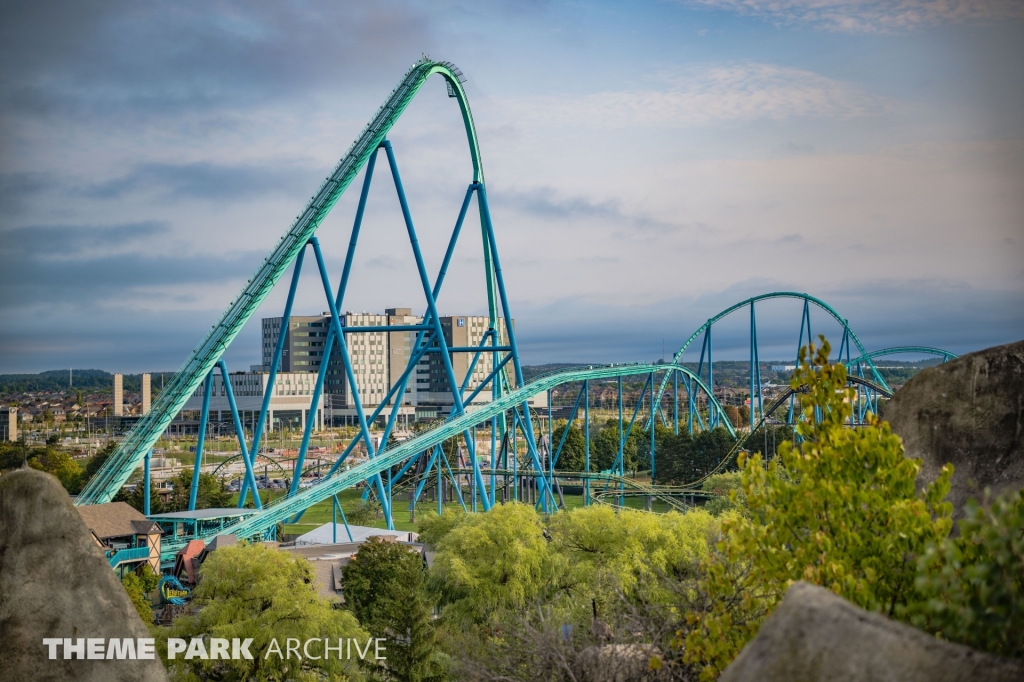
(712, 416)
(619, 459)
(652, 427)
(247, 457)
(145, 483)
(349, 374)
(204, 416)
(675, 401)
(586, 444)
(753, 345)
(275, 362)
(325, 360)
(506, 313)
(551, 452)
(515, 455)
(435, 317)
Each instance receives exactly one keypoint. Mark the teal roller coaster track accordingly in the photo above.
(506, 415)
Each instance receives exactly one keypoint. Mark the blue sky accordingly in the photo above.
(648, 164)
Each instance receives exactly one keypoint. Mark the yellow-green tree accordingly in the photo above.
(253, 591)
(490, 563)
(838, 509)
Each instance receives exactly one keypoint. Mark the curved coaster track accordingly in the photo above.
(500, 402)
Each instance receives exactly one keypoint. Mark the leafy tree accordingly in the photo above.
(137, 496)
(255, 591)
(733, 413)
(839, 510)
(682, 459)
(96, 461)
(12, 455)
(432, 527)
(385, 587)
(493, 562)
(972, 586)
(611, 551)
(55, 461)
(210, 493)
(573, 456)
(136, 587)
(605, 446)
(729, 489)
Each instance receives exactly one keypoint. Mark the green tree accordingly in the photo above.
(55, 461)
(97, 460)
(610, 551)
(684, 458)
(493, 562)
(729, 490)
(136, 588)
(254, 591)
(573, 456)
(972, 586)
(605, 446)
(210, 493)
(432, 527)
(137, 496)
(839, 510)
(385, 587)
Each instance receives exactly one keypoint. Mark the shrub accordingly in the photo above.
(972, 586)
(839, 509)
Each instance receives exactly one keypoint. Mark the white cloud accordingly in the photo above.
(870, 16)
(739, 92)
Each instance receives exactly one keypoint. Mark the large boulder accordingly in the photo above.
(815, 636)
(968, 412)
(55, 582)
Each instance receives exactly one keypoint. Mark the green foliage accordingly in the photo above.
(55, 461)
(605, 446)
(728, 487)
(432, 528)
(137, 588)
(258, 592)
(972, 586)
(210, 493)
(573, 456)
(609, 551)
(97, 460)
(12, 455)
(364, 514)
(733, 413)
(682, 459)
(845, 515)
(385, 587)
(489, 563)
(137, 496)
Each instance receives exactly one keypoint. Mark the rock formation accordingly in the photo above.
(969, 412)
(55, 582)
(816, 636)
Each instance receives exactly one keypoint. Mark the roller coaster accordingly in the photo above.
(522, 461)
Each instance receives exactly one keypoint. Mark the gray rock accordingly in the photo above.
(55, 582)
(813, 636)
(968, 412)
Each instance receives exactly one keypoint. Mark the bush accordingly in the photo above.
(972, 587)
(839, 510)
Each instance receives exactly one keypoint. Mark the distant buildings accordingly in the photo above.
(379, 359)
(9, 424)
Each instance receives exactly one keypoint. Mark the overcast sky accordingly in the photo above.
(647, 163)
